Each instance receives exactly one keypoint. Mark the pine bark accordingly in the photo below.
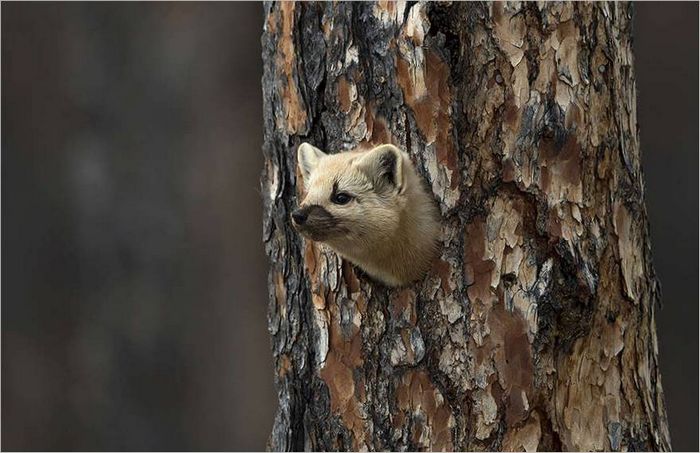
(535, 328)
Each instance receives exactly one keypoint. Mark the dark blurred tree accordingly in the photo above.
(535, 329)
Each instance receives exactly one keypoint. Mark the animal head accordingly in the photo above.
(353, 199)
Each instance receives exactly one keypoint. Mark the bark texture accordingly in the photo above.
(535, 329)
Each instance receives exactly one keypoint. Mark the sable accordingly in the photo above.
(372, 208)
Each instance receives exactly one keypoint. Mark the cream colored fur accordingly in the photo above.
(390, 230)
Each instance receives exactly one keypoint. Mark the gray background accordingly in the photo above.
(133, 277)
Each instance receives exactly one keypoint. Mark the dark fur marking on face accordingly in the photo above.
(319, 224)
(335, 192)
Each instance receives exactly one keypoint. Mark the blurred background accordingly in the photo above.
(134, 280)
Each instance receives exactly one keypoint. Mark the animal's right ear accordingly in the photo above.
(307, 159)
(384, 165)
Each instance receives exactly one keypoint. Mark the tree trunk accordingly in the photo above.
(535, 328)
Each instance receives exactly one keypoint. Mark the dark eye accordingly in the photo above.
(341, 198)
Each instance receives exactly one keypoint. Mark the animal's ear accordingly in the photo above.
(384, 165)
(307, 159)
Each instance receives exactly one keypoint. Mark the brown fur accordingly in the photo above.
(390, 228)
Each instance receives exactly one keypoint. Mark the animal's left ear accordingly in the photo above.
(384, 164)
(307, 159)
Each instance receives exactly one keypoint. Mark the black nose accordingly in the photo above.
(299, 216)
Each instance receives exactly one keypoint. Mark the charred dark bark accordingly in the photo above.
(535, 329)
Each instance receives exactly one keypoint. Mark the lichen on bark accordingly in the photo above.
(535, 327)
